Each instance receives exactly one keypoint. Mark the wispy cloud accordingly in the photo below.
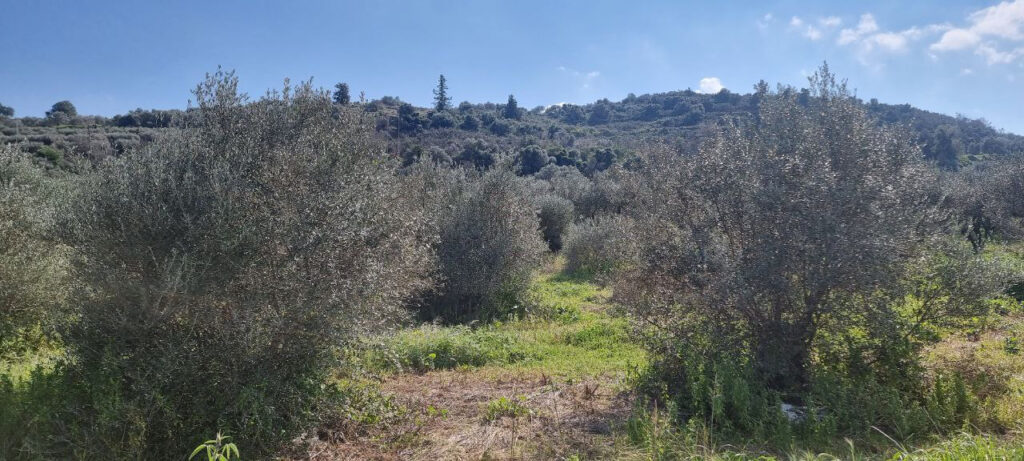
(868, 40)
(585, 79)
(831, 21)
(812, 30)
(867, 25)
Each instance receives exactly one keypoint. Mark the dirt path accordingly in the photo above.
(566, 402)
(562, 419)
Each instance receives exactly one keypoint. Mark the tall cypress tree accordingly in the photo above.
(511, 108)
(441, 100)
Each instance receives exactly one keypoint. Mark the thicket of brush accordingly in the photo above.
(211, 279)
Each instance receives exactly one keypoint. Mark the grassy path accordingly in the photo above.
(545, 387)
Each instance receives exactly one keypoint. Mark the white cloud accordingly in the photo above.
(765, 21)
(866, 26)
(812, 33)
(988, 32)
(710, 85)
(557, 104)
(956, 39)
(995, 56)
(889, 41)
(1004, 20)
(966, 71)
(831, 21)
(871, 42)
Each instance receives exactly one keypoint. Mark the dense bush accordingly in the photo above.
(556, 214)
(600, 246)
(790, 251)
(223, 267)
(489, 244)
(988, 199)
(531, 159)
(33, 273)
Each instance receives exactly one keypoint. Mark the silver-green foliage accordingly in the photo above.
(489, 244)
(556, 215)
(791, 247)
(33, 282)
(601, 246)
(224, 265)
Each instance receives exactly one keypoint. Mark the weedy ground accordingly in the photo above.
(549, 384)
(554, 383)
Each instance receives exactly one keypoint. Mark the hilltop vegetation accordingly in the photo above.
(591, 137)
(672, 276)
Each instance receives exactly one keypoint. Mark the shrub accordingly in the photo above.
(224, 265)
(51, 154)
(477, 154)
(489, 244)
(470, 123)
(504, 407)
(33, 273)
(500, 128)
(986, 201)
(531, 159)
(441, 120)
(794, 247)
(556, 214)
(600, 246)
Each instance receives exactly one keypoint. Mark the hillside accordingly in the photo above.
(590, 137)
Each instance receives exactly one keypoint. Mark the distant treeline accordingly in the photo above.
(591, 137)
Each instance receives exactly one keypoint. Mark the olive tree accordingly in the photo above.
(489, 244)
(990, 200)
(223, 266)
(779, 236)
(556, 215)
(601, 246)
(33, 272)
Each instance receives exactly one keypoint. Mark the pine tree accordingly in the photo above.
(341, 94)
(511, 108)
(441, 100)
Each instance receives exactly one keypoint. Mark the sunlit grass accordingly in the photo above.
(571, 332)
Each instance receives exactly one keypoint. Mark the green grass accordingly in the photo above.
(651, 437)
(504, 407)
(571, 332)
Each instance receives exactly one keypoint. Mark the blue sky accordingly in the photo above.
(109, 57)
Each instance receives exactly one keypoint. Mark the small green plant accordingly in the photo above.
(505, 407)
(1011, 344)
(217, 449)
(435, 412)
(50, 153)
